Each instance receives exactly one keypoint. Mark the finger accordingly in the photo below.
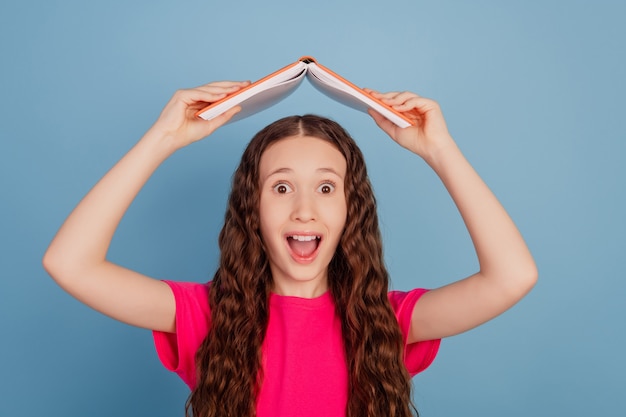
(385, 124)
(222, 86)
(227, 115)
(405, 95)
(390, 95)
(378, 94)
(205, 94)
(399, 98)
(227, 83)
(394, 98)
(221, 89)
(421, 104)
(209, 126)
(407, 101)
(195, 96)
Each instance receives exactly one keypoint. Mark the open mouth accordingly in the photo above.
(303, 246)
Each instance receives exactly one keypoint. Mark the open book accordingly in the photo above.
(273, 88)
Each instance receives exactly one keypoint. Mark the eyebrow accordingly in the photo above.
(289, 171)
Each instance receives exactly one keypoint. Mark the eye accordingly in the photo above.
(326, 188)
(282, 188)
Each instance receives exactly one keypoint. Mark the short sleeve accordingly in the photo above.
(177, 350)
(417, 356)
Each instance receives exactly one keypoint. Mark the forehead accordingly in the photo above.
(301, 153)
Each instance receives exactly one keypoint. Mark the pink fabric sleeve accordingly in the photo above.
(177, 350)
(417, 356)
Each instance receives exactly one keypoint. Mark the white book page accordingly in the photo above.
(260, 96)
(266, 99)
(345, 94)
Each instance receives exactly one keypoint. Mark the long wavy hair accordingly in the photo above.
(229, 360)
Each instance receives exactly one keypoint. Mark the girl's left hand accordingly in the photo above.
(507, 269)
(429, 132)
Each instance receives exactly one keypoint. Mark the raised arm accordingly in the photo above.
(507, 270)
(76, 258)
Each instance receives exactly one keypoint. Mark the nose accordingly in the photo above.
(304, 209)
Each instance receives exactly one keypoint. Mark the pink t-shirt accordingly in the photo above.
(304, 366)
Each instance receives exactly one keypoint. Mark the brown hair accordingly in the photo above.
(229, 359)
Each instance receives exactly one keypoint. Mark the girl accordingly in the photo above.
(298, 319)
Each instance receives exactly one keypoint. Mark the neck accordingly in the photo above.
(312, 289)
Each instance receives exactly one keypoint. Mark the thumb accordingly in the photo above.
(223, 118)
(210, 126)
(385, 124)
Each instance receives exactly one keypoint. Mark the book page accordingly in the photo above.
(267, 98)
(342, 91)
(260, 94)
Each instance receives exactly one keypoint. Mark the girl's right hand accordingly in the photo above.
(77, 256)
(178, 124)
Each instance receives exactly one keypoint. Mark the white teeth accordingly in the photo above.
(304, 238)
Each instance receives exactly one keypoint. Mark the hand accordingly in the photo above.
(178, 123)
(429, 132)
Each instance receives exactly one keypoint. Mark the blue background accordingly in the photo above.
(532, 91)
